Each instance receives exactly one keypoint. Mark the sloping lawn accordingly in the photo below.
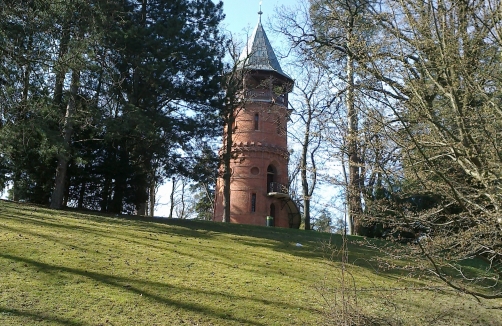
(74, 268)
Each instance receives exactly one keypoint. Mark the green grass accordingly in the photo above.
(73, 268)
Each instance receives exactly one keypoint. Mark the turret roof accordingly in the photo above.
(259, 54)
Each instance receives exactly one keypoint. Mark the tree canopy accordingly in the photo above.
(100, 98)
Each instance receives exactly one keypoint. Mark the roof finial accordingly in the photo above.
(260, 12)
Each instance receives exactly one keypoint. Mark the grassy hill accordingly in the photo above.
(74, 268)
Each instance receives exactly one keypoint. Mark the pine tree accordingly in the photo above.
(105, 93)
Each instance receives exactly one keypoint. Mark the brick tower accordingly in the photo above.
(259, 174)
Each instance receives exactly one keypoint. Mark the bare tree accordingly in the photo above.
(184, 209)
(433, 140)
(331, 34)
(444, 92)
(309, 108)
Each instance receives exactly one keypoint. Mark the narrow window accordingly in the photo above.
(253, 203)
(279, 125)
(256, 120)
(270, 178)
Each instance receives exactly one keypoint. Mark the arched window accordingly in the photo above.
(256, 121)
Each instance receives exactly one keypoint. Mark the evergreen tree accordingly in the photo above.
(27, 119)
(167, 59)
(104, 93)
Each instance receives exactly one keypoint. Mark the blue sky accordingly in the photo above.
(241, 17)
(241, 14)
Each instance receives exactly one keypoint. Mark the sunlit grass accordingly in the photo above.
(71, 268)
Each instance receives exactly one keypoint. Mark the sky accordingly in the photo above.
(242, 14)
(241, 17)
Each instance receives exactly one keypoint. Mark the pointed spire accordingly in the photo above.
(260, 12)
(259, 54)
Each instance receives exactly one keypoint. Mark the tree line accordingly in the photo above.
(100, 100)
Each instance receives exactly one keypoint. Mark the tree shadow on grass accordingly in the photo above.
(37, 317)
(313, 244)
(277, 239)
(185, 228)
(142, 288)
(87, 230)
(23, 231)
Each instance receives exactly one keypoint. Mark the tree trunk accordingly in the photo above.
(353, 189)
(58, 192)
(105, 195)
(27, 74)
(81, 194)
(63, 159)
(120, 186)
(303, 173)
(15, 187)
(61, 73)
(182, 212)
(151, 198)
(118, 196)
(227, 157)
(172, 198)
(142, 209)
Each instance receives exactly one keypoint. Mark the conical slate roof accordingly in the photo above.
(258, 54)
